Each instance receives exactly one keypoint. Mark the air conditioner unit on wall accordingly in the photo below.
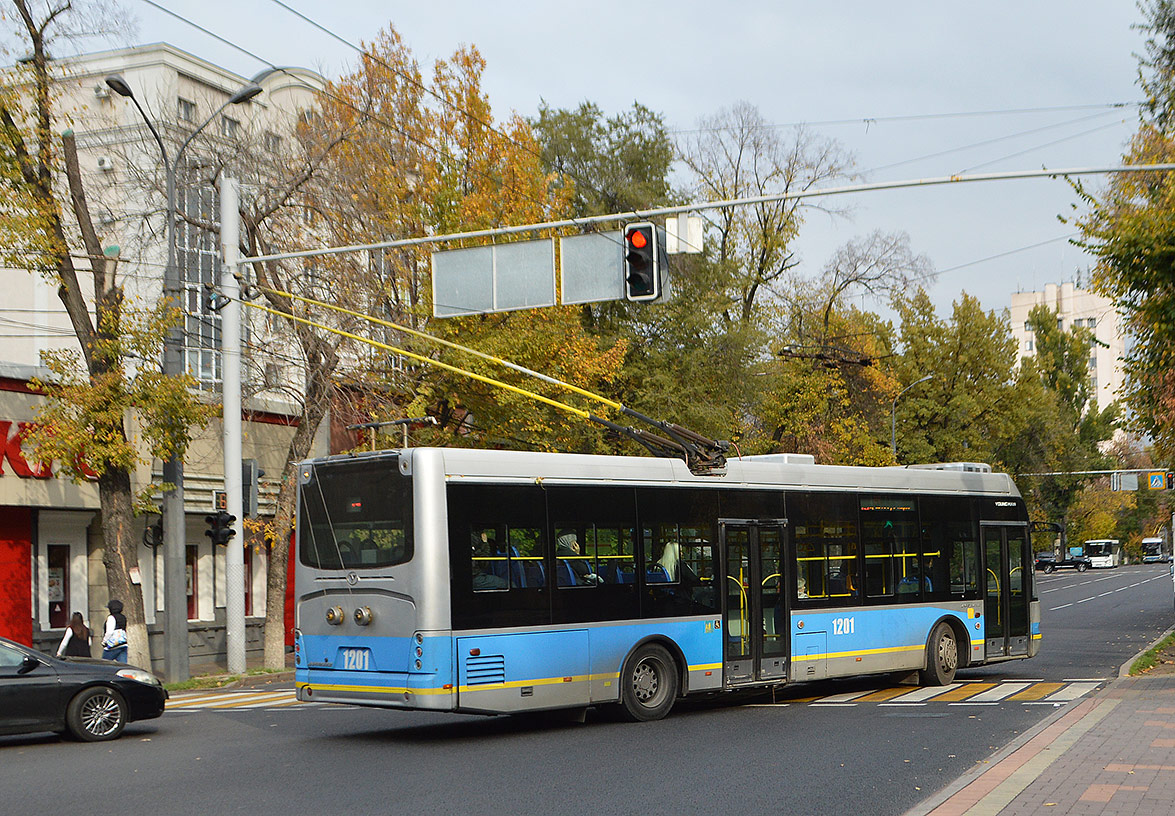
(105, 163)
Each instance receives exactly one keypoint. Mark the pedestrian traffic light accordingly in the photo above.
(1170, 480)
(220, 527)
(642, 277)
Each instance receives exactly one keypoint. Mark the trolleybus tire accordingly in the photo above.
(942, 657)
(648, 683)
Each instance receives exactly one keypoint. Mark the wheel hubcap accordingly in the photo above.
(646, 682)
(948, 656)
(100, 715)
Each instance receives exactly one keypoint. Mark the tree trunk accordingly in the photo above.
(120, 557)
(279, 550)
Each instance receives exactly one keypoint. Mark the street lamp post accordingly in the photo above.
(893, 416)
(174, 558)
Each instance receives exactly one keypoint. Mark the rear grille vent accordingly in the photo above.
(485, 669)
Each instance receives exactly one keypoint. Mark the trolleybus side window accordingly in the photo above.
(950, 547)
(497, 555)
(356, 516)
(591, 555)
(889, 530)
(825, 532)
(678, 538)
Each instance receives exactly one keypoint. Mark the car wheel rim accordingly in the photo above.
(100, 715)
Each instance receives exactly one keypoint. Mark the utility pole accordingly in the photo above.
(230, 355)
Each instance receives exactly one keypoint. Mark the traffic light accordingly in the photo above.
(220, 527)
(642, 277)
(1170, 480)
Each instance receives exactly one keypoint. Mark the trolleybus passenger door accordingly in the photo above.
(755, 611)
(1008, 594)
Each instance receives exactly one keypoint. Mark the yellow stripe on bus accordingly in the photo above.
(858, 653)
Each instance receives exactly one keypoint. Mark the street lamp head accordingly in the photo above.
(119, 85)
(244, 94)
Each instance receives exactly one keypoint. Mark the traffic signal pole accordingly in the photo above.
(230, 353)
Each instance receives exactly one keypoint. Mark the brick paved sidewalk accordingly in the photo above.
(1113, 754)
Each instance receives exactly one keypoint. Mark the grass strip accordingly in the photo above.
(1150, 658)
(214, 681)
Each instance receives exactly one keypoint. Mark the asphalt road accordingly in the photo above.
(798, 757)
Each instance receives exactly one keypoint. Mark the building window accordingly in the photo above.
(273, 142)
(185, 110)
(229, 127)
(1028, 343)
(198, 259)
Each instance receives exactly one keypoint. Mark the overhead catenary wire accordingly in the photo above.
(655, 444)
(448, 344)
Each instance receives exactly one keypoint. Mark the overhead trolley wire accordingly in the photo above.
(699, 461)
(689, 444)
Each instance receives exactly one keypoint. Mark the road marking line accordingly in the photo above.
(999, 692)
(1062, 606)
(925, 694)
(843, 698)
(967, 691)
(1038, 691)
(1073, 692)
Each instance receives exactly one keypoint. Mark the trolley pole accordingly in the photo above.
(230, 352)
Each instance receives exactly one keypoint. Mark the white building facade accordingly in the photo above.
(50, 538)
(1077, 307)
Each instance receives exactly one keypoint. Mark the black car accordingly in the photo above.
(1047, 562)
(91, 699)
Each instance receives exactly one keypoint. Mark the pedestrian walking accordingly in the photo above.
(114, 637)
(76, 640)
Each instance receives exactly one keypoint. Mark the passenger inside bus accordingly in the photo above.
(670, 557)
(577, 571)
(486, 563)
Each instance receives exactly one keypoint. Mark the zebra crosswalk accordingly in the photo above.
(962, 693)
(237, 699)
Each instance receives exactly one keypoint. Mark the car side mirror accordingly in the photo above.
(28, 664)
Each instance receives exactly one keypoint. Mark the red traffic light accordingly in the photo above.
(638, 239)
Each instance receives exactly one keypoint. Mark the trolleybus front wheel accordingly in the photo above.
(942, 658)
(648, 684)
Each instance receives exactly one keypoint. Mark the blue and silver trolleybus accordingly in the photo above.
(501, 582)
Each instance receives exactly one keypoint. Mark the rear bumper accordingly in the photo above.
(381, 689)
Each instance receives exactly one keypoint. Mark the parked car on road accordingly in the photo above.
(91, 699)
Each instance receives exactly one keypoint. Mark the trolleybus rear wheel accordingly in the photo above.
(942, 657)
(648, 683)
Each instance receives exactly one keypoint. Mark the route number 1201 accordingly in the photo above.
(844, 626)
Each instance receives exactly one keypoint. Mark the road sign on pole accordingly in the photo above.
(1156, 480)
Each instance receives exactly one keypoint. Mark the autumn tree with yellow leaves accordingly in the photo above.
(404, 156)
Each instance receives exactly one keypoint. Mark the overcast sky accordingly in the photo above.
(797, 61)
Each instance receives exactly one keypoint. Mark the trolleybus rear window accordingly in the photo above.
(356, 516)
